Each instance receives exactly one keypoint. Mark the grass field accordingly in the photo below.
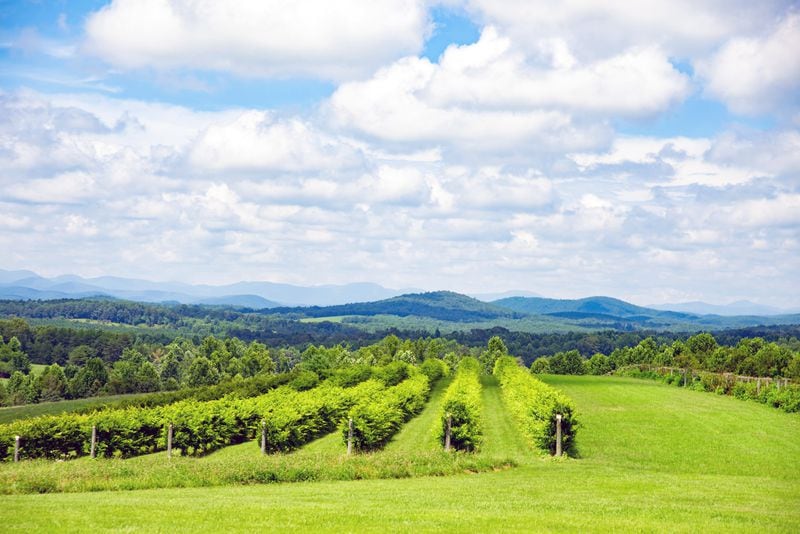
(652, 458)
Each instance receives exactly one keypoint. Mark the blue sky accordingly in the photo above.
(651, 154)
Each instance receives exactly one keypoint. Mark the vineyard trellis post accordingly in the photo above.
(558, 434)
(16, 448)
(448, 433)
(264, 437)
(349, 436)
(169, 441)
(93, 448)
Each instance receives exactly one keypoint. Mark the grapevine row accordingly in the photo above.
(461, 407)
(534, 406)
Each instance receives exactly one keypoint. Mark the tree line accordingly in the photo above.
(701, 352)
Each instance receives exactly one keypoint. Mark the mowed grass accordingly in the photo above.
(419, 434)
(653, 458)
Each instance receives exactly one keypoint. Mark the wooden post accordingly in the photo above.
(169, 441)
(263, 437)
(93, 450)
(349, 436)
(448, 433)
(16, 448)
(684, 378)
(558, 434)
(758, 387)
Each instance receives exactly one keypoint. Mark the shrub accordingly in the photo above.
(534, 405)
(392, 374)
(50, 436)
(434, 369)
(377, 418)
(462, 404)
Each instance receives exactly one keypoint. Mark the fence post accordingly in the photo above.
(263, 437)
(349, 436)
(558, 434)
(16, 448)
(684, 378)
(93, 449)
(448, 433)
(169, 441)
(758, 387)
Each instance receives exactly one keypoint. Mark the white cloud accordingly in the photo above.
(775, 152)
(487, 96)
(592, 30)
(317, 38)
(65, 188)
(783, 210)
(491, 74)
(757, 74)
(257, 141)
(408, 216)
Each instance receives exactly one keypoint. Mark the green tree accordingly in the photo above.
(14, 356)
(567, 363)
(495, 349)
(53, 383)
(170, 371)
(16, 387)
(202, 373)
(540, 366)
(598, 364)
(80, 355)
(89, 380)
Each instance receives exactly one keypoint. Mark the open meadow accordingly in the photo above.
(650, 458)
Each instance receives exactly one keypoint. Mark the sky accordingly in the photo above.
(644, 150)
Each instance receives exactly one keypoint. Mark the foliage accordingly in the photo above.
(434, 369)
(462, 406)
(375, 420)
(534, 406)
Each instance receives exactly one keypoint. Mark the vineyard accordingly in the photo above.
(622, 437)
(367, 406)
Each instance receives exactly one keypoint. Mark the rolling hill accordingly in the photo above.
(585, 307)
(442, 305)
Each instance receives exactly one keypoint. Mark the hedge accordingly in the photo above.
(534, 405)
(377, 418)
(462, 404)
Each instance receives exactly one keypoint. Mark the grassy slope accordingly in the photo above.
(419, 434)
(500, 436)
(653, 458)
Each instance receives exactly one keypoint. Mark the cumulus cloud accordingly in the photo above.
(257, 141)
(593, 30)
(239, 194)
(757, 74)
(331, 40)
(488, 96)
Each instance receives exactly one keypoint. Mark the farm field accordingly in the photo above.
(652, 458)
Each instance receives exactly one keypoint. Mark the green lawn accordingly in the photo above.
(419, 434)
(652, 458)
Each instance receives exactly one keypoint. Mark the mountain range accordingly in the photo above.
(371, 300)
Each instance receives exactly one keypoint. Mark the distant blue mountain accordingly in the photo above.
(742, 307)
(583, 308)
(29, 285)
